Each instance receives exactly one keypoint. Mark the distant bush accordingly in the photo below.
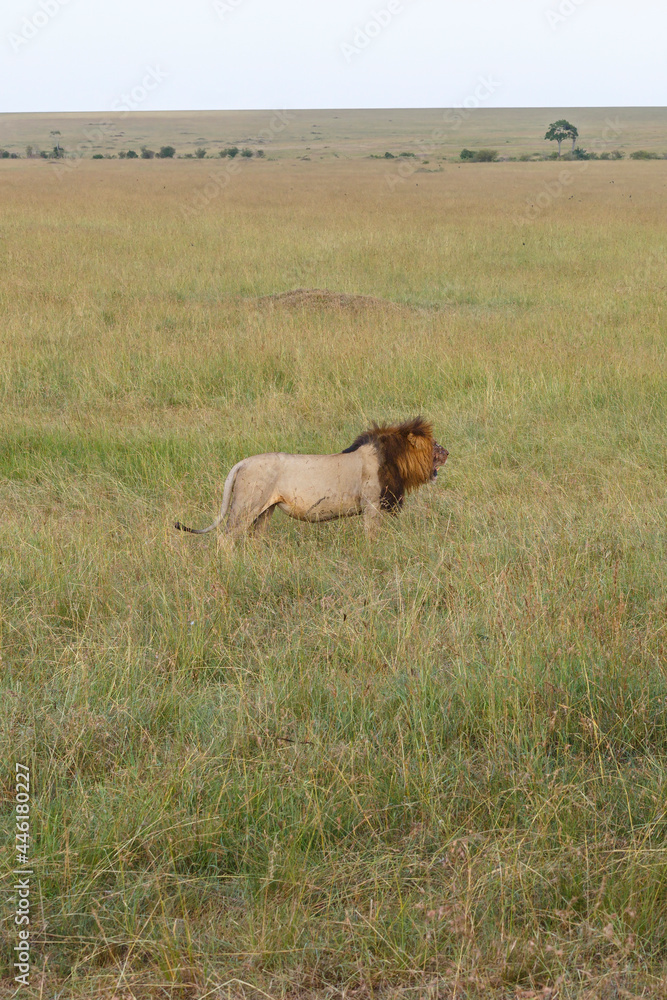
(260, 153)
(467, 154)
(231, 151)
(389, 156)
(147, 154)
(131, 155)
(406, 154)
(246, 152)
(644, 154)
(486, 155)
(97, 156)
(605, 156)
(579, 154)
(4, 154)
(166, 152)
(200, 152)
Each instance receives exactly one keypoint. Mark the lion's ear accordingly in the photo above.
(412, 439)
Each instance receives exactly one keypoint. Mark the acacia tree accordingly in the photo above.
(562, 129)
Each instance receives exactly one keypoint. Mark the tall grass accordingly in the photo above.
(433, 765)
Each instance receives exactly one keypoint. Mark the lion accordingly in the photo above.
(371, 477)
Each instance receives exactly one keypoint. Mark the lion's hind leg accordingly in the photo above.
(261, 523)
(251, 507)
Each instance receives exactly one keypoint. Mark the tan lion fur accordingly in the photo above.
(371, 476)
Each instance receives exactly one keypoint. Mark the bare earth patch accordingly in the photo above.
(318, 297)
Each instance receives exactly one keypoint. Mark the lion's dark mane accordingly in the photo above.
(403, 463)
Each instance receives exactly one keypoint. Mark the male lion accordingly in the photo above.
(371, 476)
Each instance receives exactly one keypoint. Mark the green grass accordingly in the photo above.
(433, 765)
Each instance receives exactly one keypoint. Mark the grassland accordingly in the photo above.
(432, 766)
(328, 134)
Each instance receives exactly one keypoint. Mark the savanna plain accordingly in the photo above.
(428, 765)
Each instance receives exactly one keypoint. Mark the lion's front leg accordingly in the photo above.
(372, 515)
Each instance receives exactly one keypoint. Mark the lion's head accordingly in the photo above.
(439, 458)
(408, 457)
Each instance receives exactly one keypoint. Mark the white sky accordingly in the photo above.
(83, 55)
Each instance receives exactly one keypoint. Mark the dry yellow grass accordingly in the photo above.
(314, 766)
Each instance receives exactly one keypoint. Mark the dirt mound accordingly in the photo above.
(318, 297)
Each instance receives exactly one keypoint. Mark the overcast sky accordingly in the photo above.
(84, 55)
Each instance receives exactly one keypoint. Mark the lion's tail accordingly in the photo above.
(226, 500)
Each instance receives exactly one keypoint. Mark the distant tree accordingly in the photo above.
(467, 154)
(232, 151)
(166, 152)
(98, 156)
(29, 152)
(4, 154)
(260, 153)
(58, 147)
(562, 129)
(486, 155)
(131, 155)
(644, 154)
(246, 152)
(147, 154)
(200, 152)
